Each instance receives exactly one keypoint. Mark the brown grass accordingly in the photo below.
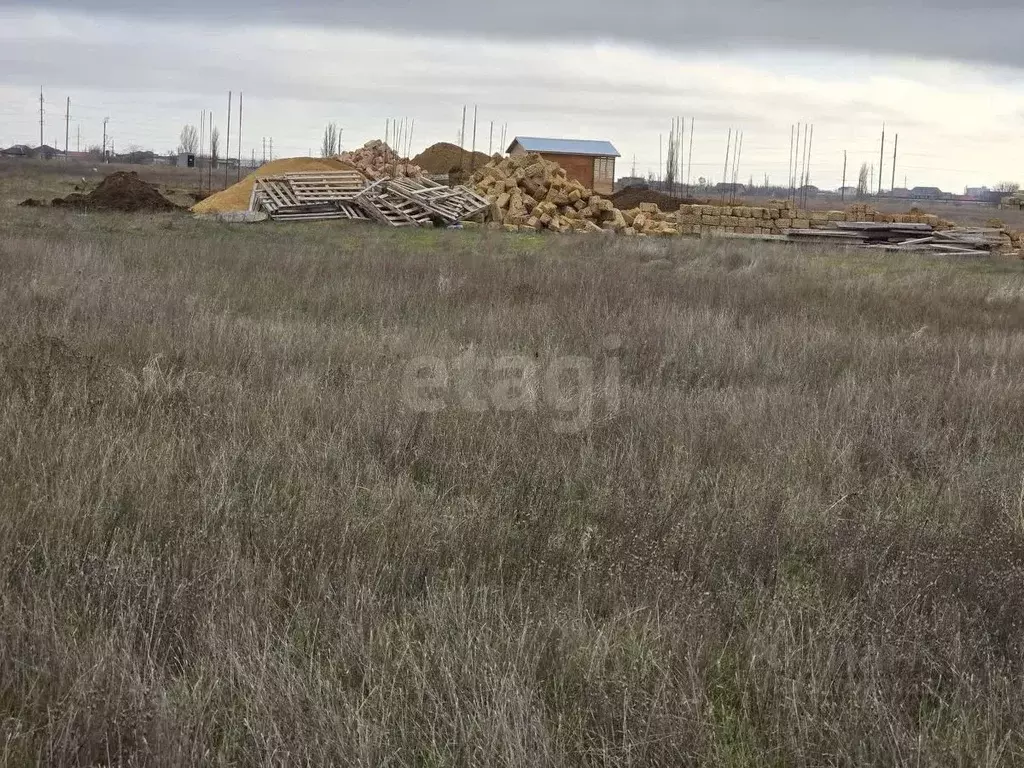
(224, 539)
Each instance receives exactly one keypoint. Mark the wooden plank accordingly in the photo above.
(866, 226)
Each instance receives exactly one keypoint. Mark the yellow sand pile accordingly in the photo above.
(236, 198)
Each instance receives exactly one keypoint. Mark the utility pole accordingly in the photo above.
(78, 138)
(264, 150)
(271, 149)
(842, 189)
(202, 144)
(895, 146)
(472, 154)
(490, 145)
(67, 128)
(105, 121)
(40, 116)
(881, 160)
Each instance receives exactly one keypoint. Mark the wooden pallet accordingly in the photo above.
(309, 196)
(388, 207)
(451, 204)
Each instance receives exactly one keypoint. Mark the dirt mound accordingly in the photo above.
(122, 191)
(31, 203)
(236, 198)
(444, 157)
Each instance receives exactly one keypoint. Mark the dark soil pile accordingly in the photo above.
(121, 191)
(444, 157)
(631, 197)
(31, 203)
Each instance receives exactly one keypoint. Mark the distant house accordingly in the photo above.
(18, 150)
(631, 181)
(592, 163)
(926, 193)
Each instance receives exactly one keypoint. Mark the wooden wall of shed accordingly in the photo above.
(579, 167)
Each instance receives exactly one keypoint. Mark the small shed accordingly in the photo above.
(592, 163)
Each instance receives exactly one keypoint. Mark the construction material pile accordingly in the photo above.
(920, 237)
(397, 202)
(235, 199)
(444, 158)
(121, 191)
(376, 160)
(529, 192)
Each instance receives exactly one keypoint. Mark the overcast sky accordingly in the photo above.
(945, 75)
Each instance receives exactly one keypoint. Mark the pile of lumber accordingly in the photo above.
(958, 241)
(397, 202)
(376, 160)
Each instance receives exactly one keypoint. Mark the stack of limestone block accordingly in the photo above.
(775, 217)
(529, 192)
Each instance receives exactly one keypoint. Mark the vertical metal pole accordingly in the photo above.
(725, 169)
(462, 140)
(689, 160)
(67, 128)
(472, 156)
(807, 177)
(895, 146)
(881, 160)
(238, 170)
(842, 189)
(227, 142)
(789, 169)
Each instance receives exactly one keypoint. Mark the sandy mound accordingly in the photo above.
(236, 198)
(121, 191)
(444, 157)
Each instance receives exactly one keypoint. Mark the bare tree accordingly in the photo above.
(330, 145)
(214, 146)
(862, 180)
(1007, 187)
(188, 142)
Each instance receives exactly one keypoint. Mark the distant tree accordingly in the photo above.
(214, 146)
(188, 142)
(702, 182)
(1007, 187)
(331, 144)
(95, 152)
(862, 180)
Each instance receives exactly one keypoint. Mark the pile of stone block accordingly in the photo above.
(529, 192)
(376, 160)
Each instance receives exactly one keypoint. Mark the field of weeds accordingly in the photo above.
(745, 505)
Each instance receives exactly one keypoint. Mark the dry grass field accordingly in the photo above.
(794, 535)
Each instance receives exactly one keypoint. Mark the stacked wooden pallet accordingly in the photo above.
(308, 196)
(398, 202)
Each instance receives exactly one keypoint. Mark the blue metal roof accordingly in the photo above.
(565, 146)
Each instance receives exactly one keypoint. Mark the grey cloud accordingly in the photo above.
(943, 29)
